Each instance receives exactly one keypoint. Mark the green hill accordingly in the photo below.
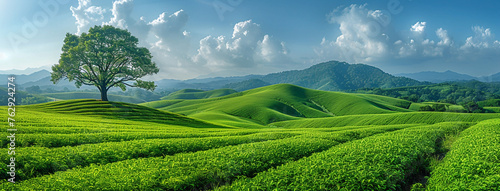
(198, 94)
(335, 76)
(93, 95)
(117, 110)
(281, 102)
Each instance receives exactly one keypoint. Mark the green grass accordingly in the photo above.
(117, 110)
(473, 162)
(385, 119)
(198, 94)
(280, 137)
(381, 162)
(280, 103)
(92, 95)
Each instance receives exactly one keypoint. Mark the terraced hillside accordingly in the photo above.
(279, 137)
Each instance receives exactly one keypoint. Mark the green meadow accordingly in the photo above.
(277, 137)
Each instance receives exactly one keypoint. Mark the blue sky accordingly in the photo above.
(201, 38)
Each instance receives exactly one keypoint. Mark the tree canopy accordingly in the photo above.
(104, 57)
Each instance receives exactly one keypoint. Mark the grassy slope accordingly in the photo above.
(92, 95)
(198, 94)
(117, 110)
(279, 103)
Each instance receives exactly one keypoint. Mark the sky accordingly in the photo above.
(208, 38)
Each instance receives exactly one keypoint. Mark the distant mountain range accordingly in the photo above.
(448, 76)
(331, 76)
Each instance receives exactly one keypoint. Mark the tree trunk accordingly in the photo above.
(104, 94)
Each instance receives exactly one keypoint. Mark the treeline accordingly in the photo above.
(472, 95)
(449, 92)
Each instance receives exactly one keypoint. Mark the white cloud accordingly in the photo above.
(483, 38)
(121, 13)
(171, 49)
(362, 39)
(87, 15)
(79, 14)
(418, 27)
(95, 13)
(443, 36)
(248, 48)
(121, 18)
(170, 31)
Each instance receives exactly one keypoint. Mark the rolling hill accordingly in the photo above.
(198, 94)
(282, 102)
(92, 95)
(117, 110)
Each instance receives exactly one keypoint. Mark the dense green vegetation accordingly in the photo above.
(380, 162)
(278, 137)
(473, 162)
(449, 92)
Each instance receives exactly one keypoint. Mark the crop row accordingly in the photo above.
(186, 171)
(385, 119)
(380, 162)
(473, 162)
(59, 140)
(36, 161)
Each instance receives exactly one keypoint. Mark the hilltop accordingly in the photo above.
(118, 110)
(282, 102)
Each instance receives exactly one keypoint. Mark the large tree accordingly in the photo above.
(104, 57)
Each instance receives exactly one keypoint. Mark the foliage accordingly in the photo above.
(380, 162)
(473, 162)
(449, 92)
(37, 161)
(34, 99)
(104, 57)
(473, 107)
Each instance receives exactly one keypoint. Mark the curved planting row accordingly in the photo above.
(473, 162)
(60, 140)
(36, 161)
(380, 162)
(186, 171)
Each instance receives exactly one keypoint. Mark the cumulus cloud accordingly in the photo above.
(121, 18)
(86, 15)
(483, 38)
(362, 39)
(95, 13)
(367, 37)
(418, 27)
(248, 48)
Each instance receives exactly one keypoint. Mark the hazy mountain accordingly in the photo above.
(25, 71)
(246, 85)
(24, 78)
(438, 77)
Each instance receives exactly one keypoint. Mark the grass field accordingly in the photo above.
(279, 137)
